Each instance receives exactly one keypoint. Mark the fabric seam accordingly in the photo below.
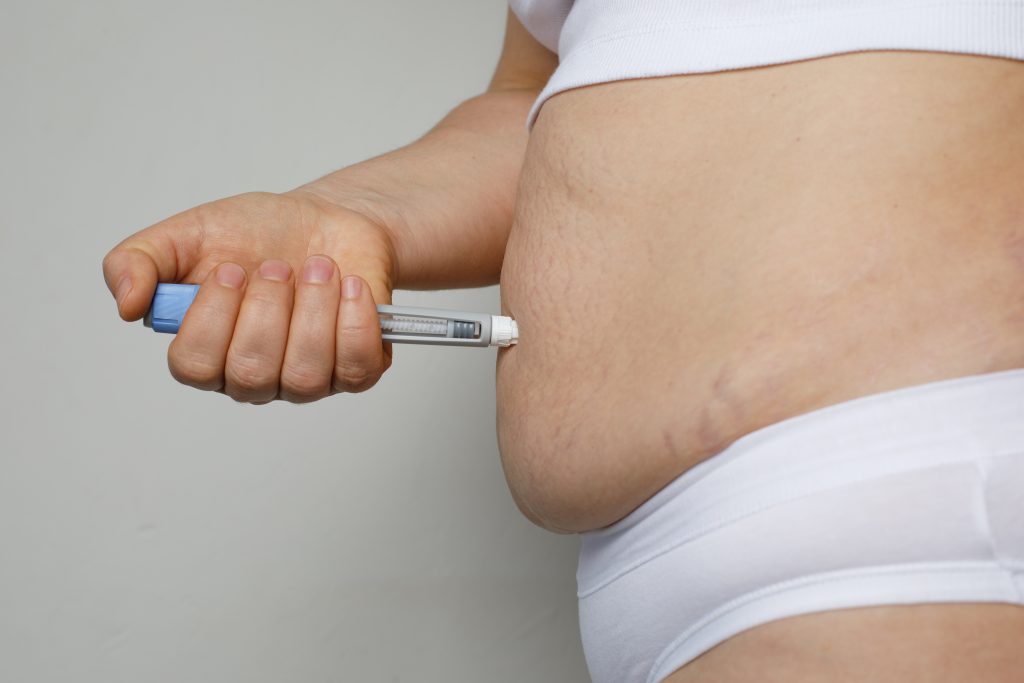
(1007, 563)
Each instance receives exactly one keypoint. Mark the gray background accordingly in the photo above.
(150, 532)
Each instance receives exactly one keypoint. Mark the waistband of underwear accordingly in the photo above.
(906, 429)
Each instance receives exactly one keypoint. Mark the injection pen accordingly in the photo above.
(403, 324)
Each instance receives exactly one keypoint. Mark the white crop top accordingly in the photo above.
(608, 40)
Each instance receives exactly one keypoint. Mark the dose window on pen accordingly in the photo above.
(428, 326)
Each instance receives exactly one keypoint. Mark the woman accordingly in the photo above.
(767, 263)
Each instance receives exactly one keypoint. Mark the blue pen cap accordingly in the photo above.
(169, 305)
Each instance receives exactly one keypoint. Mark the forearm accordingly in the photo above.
(447, 199)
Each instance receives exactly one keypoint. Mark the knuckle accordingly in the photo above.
(248, 374)
(358, 324)
(217, 211)
(353, 325)
(194, 370)
(302, 384)
(267, 299)
(354, 378)
(245, 383)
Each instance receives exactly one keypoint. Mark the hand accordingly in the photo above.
(287, 306)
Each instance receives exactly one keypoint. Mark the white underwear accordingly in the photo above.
(909, 496)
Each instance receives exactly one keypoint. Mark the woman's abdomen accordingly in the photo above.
(696, 257)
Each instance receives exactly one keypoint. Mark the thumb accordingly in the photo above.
(164, 252)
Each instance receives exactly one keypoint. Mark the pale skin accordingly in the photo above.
(786, 237)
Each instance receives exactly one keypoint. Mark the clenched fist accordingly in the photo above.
(287, 306)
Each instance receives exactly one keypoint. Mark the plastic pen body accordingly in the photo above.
(401, 324)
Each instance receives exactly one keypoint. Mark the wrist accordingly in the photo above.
(351, 189)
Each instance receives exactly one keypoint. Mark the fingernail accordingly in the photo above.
(124, 287)
(317, 270)
(230, 275)
(351, 286)
(275, 270)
